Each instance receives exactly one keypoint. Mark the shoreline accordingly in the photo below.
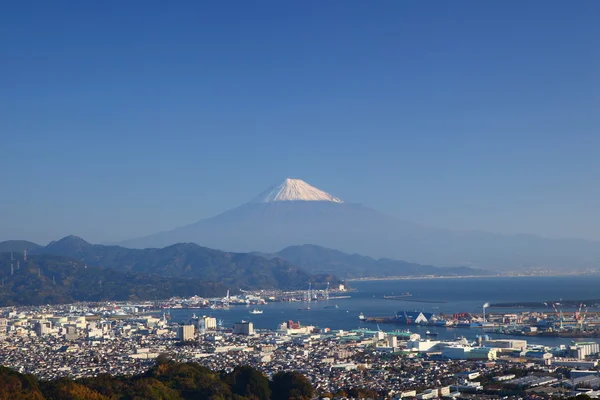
(404, 278)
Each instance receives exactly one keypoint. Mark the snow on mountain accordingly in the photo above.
(294, 190)
(295, 213)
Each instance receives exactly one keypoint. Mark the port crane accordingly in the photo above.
(578, 312)
(559, 314)
(581, 319)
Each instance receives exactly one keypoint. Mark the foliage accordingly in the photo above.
(16, 386)
(291, 385)
(248, 382)
(188, 260)
(47, 279)
(359, 393)
(66, 389)
(166, 380)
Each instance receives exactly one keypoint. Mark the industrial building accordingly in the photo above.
(413, 317)
(506, 344)
(392, 341)
(206, 323)
(469, 353)
(581, 350)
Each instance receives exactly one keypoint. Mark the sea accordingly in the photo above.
(435, 295)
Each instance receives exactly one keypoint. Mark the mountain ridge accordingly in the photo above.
(17, 246)
(53, 279)
(190, 260)
(268, 227)
(319, 259)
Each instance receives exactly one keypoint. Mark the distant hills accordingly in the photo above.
(320, 260)
(72, 269)
(188, 260)
(294, 213)
(51, 279)
(17, 246)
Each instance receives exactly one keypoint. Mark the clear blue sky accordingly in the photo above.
(124, 118)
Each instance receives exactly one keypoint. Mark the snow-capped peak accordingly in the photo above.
(294, 190)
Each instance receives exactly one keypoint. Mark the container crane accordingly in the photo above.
(577, 314)
(559, 314)
(582, 319)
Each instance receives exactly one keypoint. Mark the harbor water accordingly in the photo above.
(445, 295)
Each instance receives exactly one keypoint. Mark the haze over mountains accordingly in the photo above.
(321, 260)
(295, 213)
(71, 269)
(190, 261)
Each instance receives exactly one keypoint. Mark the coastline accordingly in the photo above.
(403, 278)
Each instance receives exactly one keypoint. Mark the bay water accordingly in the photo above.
(435, 295)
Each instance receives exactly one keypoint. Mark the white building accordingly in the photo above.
(185, 333)
(3, 326)
(210, 323)
(581, 350)
(392, 341)
(469, 353)
(508, 344)
(423, 345)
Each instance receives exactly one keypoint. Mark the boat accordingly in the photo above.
(431, 333)
(256, 311)
(361, 316)
(304, 309)
(331, 307)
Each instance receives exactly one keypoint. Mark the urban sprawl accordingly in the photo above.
(82, 340)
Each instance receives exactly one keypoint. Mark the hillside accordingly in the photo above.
(166, 380)
(321, 260)
(50, 279)
(17, 246)
(188, 260)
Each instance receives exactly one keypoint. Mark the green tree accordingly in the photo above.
(291, 385)
(16, 386)
(247, 382)
(66, 389)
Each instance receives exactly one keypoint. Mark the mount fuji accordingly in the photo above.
(296, 213)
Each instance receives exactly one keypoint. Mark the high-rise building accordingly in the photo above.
(392, 341)
(71, 332)
(207, 323)
(185, 333)
(3, 326)
(42, 328)
(243, 328)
